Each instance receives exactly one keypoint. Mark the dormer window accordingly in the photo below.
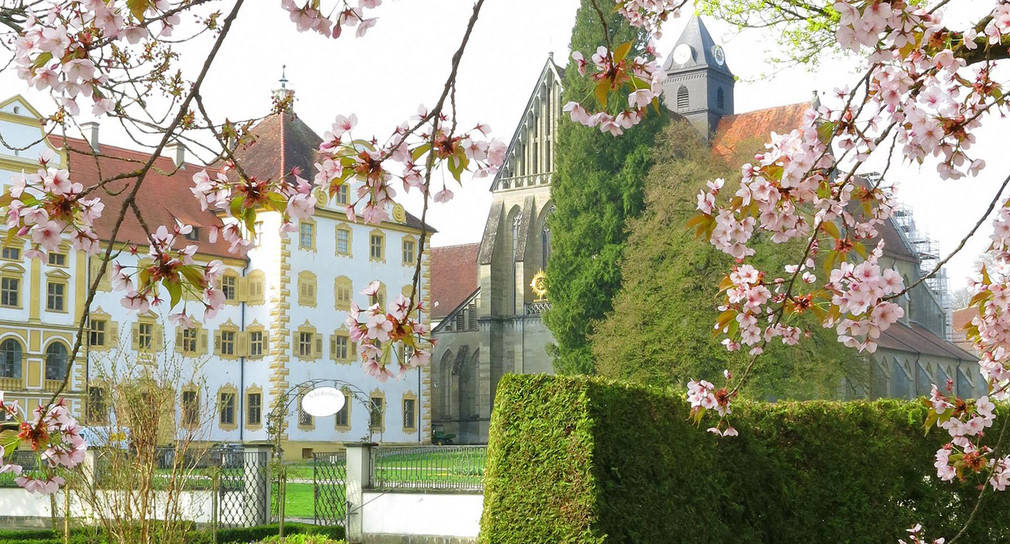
(193, 234)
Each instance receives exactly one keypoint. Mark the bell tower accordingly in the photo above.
(698, 83)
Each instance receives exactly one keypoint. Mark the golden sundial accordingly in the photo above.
(539, 285)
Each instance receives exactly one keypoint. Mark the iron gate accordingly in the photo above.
(329, 471)
(242, 498)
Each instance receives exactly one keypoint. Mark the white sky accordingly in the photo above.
(404, 59)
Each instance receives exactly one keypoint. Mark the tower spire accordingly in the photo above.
(284, 95)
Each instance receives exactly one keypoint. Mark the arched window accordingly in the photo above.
(10, 359)
(56, 361)
(683, 98)
(446, 383)
(720, 99)
(901, 385)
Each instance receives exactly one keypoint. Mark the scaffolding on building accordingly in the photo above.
(927, 250)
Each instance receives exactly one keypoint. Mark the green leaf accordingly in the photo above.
(601, 92)
(420, 150)
(138, 7)
(236, 206)
(174, 290)
(42, 59)
(194, 275)
(831, 229)
(621, 51)
(825, 130)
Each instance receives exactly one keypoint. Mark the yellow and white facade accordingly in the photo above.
(283, 322)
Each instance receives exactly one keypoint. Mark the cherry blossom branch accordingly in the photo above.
(142, 174)
(982, 491)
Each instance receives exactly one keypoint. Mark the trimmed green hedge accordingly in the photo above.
(87, 535)
(574, 459)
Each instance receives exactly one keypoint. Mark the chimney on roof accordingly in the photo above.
(177, 151)
(89, 130)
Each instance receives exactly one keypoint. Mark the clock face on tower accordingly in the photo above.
(719, 54)
(683, 54)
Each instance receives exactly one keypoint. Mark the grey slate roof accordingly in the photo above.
(696, 35)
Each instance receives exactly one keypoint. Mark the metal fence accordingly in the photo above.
(459, 468)
(242, 496)
(329, 475)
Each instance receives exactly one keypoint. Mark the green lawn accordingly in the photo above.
(298, 501)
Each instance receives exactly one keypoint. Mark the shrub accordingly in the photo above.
(299, 539)
(588, 460)
(90, 535)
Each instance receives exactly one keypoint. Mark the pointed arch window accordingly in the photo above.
(683, 98)
(545, 238)
(720, 99)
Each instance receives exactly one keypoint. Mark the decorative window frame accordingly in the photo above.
(409, 395)
(147, 354)
(379, 297)
(315, 234)
(15, 242)
(183, 422)
(316, 345)
(15, 272)
(403, 241)
(111, 330)
(63, 250)
(256, 327)
(228, 326)
(94, 264)
(307, 281)
(352, 348)
(348, 404)
(342, 282)
(381, 395)
(52, 384)
(254, 390)
(231, 273)
(87, 408)
(228, 389)
(382, 244)
(298, 414)
(58, 277)
(257, 281)
(202, 341)
(350, 240)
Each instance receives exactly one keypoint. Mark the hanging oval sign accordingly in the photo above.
(323, 401)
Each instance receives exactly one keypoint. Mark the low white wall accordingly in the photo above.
(18, 503)
(428, 514)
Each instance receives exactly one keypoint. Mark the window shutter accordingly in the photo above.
(203, 342)
(333, 347)
(319, 346)
(353, 354)
(217, 342)
(159, 337)
(113, 336)
(243, 289)
(178, 340)
(266, 345)
(242, 339)
(134, 336)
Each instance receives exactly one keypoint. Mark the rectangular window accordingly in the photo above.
(408, 252)
(254, 409)
(227, 416)
(96, 332)
(257, 233)
(340, 347)
(57, 259)
(306, 235)
(193, 234)
(375, 415)
(98, 411)
(10, 292)
(189, 338)
(343, 242)
(228, 286)
(227, 342)
(11, 253)
(342, 194)
(256, 343)
(375, 247)
(342, 414)
(145, 335)
(190, 408)
(305, 344)
(408, 414)
(56, 296)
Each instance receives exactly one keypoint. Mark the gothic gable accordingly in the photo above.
(529, 160)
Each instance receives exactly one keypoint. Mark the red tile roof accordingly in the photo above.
(918, 339)
(748, 132)
(453, 277)
(164, 196)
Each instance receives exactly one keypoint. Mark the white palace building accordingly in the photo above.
(287, 300)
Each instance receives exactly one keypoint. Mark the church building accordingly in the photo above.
(488, 297)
